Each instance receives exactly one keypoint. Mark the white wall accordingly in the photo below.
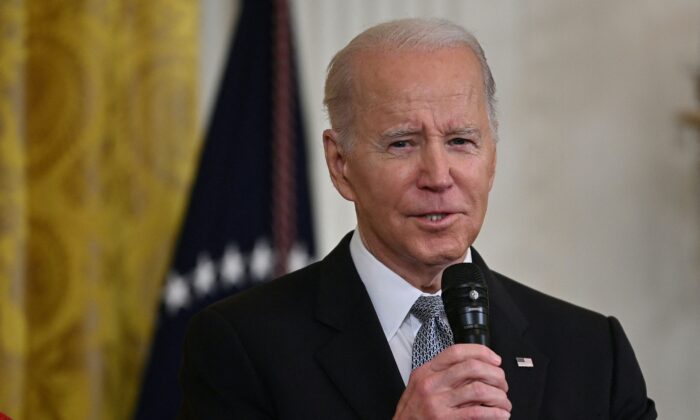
(597, 197)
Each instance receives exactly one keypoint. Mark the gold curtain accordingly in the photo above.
(98, 140)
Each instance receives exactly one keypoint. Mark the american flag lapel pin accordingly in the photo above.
(525, 362)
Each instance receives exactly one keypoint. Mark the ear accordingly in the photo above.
(337, 162)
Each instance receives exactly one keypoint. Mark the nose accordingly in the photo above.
(434, 168)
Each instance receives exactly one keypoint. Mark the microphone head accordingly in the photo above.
(466, 300)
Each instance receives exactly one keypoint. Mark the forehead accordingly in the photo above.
(384, 69)
(401, 86)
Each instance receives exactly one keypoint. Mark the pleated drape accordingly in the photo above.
(98, 139)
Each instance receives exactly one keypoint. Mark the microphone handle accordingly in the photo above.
(470, 326)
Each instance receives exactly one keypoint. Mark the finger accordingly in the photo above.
(475, 370)
(441, 374)
(460, 352)
(479, 393)
(468, 382)
(481, 412)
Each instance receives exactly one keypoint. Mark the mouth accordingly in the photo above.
(436, 221)
(435, 217)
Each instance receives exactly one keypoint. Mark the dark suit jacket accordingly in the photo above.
(309, 345)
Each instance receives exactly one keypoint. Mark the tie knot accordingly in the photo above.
(428, 307)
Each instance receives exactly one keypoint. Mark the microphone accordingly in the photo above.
(466, 300)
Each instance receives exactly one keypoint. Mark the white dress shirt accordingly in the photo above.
(392, 298)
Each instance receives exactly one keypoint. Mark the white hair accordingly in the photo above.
(417, 34)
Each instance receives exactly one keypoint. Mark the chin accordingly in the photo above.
(442, 257)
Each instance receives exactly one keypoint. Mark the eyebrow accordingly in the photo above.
(464, 131)
(393, 133)
(407, 131)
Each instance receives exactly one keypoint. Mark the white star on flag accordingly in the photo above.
(297, 258)
(261, 260)
(176, 293)
(204, 275)
(232, 266)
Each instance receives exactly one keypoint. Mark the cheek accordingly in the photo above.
(384, 181)
(475, 183)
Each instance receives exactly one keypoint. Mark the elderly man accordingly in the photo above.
(413, 146)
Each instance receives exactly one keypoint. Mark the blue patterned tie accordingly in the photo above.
(434, 334)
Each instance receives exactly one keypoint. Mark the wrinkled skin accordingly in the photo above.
(422, 146)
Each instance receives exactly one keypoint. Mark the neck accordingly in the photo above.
(424, 277)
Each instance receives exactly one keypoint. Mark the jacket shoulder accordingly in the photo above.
(555, 322)
(285, 295)
(589, 354)
(539, 306)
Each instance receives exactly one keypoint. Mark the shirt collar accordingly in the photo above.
(391, 295)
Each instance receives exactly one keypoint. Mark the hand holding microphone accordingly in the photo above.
(464, 380)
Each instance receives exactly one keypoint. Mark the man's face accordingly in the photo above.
(422, 160)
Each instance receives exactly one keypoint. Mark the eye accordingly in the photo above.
(459, 141)
(400, 144)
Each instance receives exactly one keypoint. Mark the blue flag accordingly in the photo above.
(249, 216)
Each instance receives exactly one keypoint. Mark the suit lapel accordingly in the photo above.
(510, 339)
(357, 359)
